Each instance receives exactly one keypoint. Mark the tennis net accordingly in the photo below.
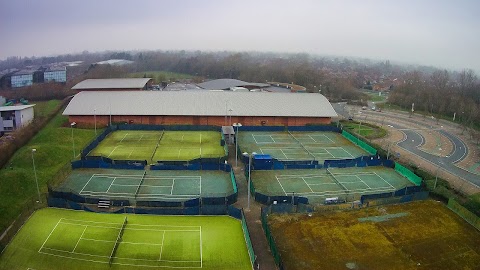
(336, 180)
(301, 144)
(140, 184)
(156, 146)
(117, 242)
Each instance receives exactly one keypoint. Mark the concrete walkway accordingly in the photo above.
(259, 241)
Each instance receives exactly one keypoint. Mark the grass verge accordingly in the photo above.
(54, 149)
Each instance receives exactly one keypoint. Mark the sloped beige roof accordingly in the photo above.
(212, 103)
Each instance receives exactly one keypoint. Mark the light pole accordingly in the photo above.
(95, 120)
(237, 125)
(230, 117)
(35, 173)
(73, 141)
(249, 176)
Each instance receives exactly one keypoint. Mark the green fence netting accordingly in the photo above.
(365, 146)
(411, 176)
(234, 183)
(251, 253)
(464, 213)
(270, 240)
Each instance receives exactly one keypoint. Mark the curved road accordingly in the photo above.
(413, 140)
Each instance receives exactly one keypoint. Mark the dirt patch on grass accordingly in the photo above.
(423, 235)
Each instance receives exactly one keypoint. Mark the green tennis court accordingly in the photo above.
(319, 146)
(319, 184)
(149, 185)
(154, 146)
(67, 239)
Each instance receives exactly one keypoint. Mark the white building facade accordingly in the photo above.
(14, 117)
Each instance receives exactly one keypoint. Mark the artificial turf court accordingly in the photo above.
(154, 146)
(319, 146)
(148, 185)
(416, 235)
(68, 239)
(318, 184)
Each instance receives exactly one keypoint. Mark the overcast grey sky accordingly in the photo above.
(442, 33)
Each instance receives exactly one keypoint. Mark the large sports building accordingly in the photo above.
(217, 108)
(122, 84)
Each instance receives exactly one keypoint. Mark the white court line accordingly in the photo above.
(130, 224)
(283, 153)
(307, 184)
(111, 184)
(363, 182)
(280, 185)
(141, 137)
(112, 151)
(80, 238)
(171, 188)
(124, 137)
(384, 180)
(161, 248)
(50, 234)
(347, 152)
(86, 183)
(130, 153)
(328, 152)
(201, 253)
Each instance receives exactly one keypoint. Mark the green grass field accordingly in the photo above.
(54, 150)
(299, 145)
(156, 146)
(418, 235)
(156, 185)
(317, 184)
(68, 239)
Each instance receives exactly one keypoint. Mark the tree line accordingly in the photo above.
(441, 93)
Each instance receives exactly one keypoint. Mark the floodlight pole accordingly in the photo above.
(236, 143)
(35, 173)
(249, 179)
(95, 120)
(73, 141)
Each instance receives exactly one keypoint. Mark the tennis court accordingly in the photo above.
(318, 184)
(66, 239)
(319, 146)
(149, 185)
(154, 146)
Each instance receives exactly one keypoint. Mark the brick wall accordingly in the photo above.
(88, 121)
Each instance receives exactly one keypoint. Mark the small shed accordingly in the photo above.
(229, 134)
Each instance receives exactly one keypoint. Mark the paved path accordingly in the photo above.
(413, 140)
(259, 241)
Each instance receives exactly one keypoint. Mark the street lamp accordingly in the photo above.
(249, 176)
(95, 120)
(73, 141)
(35, 173)
(237, 125)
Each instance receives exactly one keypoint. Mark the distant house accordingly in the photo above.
(124, 84)
(56, 74)
(13, 117)
(22, 78)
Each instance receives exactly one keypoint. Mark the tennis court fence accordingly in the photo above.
(464, 213)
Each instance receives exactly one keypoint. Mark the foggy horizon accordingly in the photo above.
(429, 33)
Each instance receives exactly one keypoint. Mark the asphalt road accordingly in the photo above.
(414, 140)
